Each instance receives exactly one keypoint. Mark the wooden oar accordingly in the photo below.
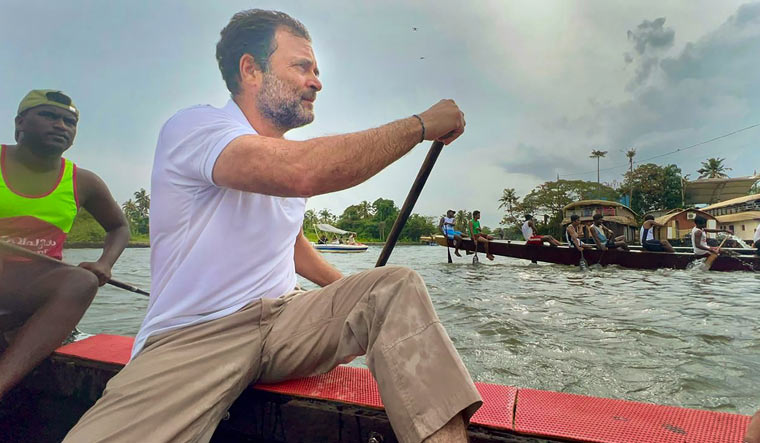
(448, 249)
(411, 199)
(582, 264)
(711, 259)
(475, 260)
(33, 255)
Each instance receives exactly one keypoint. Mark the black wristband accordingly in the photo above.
(422, 138)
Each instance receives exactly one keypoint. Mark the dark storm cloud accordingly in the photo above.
(650, 39)
(709, 88)
(652, 35)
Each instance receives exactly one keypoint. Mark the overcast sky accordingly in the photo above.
(541, 83)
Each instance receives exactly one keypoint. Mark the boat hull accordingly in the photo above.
(344, 406)
(634, 259)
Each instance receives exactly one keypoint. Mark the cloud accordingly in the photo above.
(708, 88)
(650, 39)
(652, 36)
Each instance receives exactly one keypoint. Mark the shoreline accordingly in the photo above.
(99, 245)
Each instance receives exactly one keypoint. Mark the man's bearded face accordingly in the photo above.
(286, 106)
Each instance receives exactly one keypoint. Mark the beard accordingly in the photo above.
(41, 147)
(282, 105)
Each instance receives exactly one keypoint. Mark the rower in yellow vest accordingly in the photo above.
(40, 194)
(477, 234)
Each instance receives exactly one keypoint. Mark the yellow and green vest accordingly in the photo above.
(39, 222)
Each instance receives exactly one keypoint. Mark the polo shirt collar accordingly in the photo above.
(235, 112)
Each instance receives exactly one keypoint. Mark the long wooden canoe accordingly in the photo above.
(344, 406)
(635, 259)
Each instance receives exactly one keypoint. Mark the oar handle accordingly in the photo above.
(35, 256)
(411, 199)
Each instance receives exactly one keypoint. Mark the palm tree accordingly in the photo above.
(461, 220)
(597, 154)
(130, 208)
(142, 200)
(713, 168)
(509, 200)
(364, 209)
(325, 216)
(630, 154)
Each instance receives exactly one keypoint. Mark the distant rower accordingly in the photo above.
(572, 233)
(647, 239)
(699, 241)
(529, 231)
(477, 234)
(599, 233)
(446, 226)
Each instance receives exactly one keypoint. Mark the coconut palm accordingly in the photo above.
(508, 199)
(713, 168)
(364, 209)
(142, 200)
(130, 208)
(597, 154)
(630, 154)
(461, 219)
(325, 216)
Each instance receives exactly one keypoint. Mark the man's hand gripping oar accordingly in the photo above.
(23, 252)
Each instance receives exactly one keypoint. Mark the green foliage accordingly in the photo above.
(654, 187)
(85, 229)
(462, 220)
(138, 212)
(548, 199)
(713, 168)
(371, 221)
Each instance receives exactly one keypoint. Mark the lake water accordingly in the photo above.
(680, 338)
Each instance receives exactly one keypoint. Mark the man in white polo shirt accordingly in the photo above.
(228, 197)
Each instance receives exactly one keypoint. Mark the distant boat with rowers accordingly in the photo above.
(332, 239)
(739, 260)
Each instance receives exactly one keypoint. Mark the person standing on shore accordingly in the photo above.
(40, 194)
(223, 311)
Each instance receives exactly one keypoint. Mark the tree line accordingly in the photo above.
(371, 221)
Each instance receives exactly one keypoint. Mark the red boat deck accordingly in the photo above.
(526, 412)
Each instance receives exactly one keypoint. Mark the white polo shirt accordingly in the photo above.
(213, 249)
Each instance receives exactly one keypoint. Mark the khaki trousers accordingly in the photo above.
(182, 383)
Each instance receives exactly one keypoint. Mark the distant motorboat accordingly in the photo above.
(428, 240)
(332, 239)
(340, 248)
